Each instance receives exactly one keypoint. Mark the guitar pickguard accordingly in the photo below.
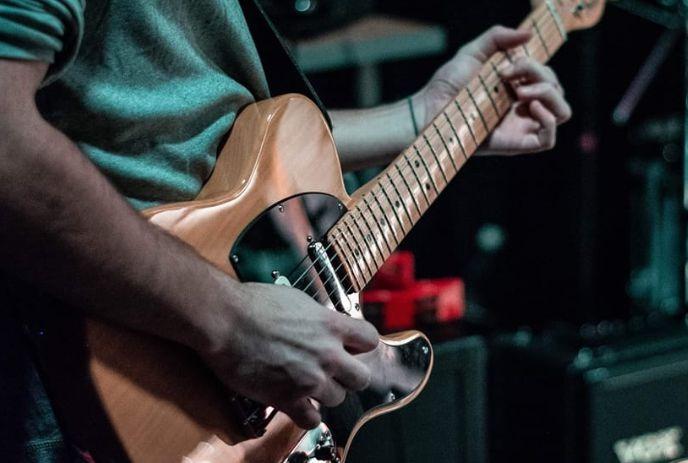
(274, 248)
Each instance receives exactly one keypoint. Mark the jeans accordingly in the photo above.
(28, 428)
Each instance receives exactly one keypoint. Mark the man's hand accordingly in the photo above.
(530, 126)
(284, 348)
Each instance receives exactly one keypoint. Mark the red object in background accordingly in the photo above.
(440, 301)
(398, 272)
(426, 302)
(396, 301)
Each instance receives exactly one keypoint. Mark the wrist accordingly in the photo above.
(224, 301)
(418, 110)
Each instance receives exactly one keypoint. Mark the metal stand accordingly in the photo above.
(658, 281)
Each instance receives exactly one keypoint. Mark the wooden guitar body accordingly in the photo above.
(161, 404)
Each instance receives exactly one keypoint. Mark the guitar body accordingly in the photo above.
(124, 395)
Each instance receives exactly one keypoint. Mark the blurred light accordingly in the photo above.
(490, 237)
(303, 6)
(588, 142)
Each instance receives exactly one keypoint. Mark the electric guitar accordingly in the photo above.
(277, 190)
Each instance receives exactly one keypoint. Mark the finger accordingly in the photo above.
(549, 97)
(358, 336)
(548, 131)
(530, 71)
(303, 413)
(497, 38)
(351, 373)
(331, 394)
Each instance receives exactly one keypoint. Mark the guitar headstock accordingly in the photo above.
(579, 14)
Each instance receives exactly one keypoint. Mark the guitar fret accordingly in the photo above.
(351, 272)
(352, 253)
(489, 95)
(539, 34)
(415, 174)
(408, 187)
(525, 49)
(494, 67)
(373, 235)
(557, 19)
(357, 250)
(367, 238)
(358, 278)
(385, 216)
(468, 124)
(477, 108)
(359, 254)
(439, 164)
(400, 200)
(391, 205)
(377, 224)
(427, 170)
(456, 135)
(446, 147)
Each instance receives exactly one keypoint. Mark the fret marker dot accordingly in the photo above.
(417, 163)
(451, 139)
(383, 222)
(397, 204)
(427, 186)
(369, 238)
(356, 252)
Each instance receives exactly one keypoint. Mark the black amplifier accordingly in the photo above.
(567, 400)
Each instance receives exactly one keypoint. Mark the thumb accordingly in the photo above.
(495, 39)
(303, 413)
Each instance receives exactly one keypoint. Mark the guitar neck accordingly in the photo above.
(395, 200)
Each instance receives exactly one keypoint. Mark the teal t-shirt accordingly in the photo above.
(146, 88)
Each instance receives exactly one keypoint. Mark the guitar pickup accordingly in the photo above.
(327, 274)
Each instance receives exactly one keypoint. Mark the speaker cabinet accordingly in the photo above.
(624, 401)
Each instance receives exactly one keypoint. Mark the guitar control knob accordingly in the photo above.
(326, 452)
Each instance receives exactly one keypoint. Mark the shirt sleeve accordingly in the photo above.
(42, 30)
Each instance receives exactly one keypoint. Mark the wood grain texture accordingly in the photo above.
(278, 148)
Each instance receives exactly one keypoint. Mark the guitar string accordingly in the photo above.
(381, 187)
(544, 30)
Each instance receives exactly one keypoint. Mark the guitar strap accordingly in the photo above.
(282, 73)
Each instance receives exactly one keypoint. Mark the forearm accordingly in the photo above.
(66, 229)
(371, 137)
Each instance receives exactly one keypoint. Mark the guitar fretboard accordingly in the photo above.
(392, 203)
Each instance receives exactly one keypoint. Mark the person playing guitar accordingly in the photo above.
(116, 106)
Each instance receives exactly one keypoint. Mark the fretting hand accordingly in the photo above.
(531, 124)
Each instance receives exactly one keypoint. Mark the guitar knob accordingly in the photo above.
(298, 457)
(326, 452)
